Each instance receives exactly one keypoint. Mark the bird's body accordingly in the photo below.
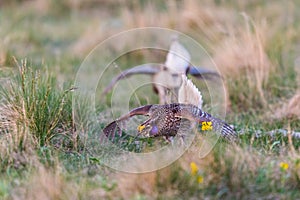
(164, 121)
(170, 120)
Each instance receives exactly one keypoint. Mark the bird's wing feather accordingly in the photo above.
(189, 94)
(115, 127)
(140, 69)
(178, 58)
(195, 114)
(202, 72)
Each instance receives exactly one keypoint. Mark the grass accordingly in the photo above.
(44, 151)
(37, 105)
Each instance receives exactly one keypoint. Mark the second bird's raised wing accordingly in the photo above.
(149, 69)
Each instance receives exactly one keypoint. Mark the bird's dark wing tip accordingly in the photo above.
(110, 130)
(202, 72)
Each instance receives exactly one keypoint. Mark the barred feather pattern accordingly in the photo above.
(193, 113)
(168, 119)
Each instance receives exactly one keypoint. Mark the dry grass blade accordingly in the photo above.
(243, 53)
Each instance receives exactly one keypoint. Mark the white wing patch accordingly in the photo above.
(178, 58)
(189, 94)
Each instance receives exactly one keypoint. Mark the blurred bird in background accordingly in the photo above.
(167, 76)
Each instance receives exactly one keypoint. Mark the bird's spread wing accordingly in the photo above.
(202, 73)
(141, 69)
(207, 121)
(219, 126)
(189, 94)
(116, 126)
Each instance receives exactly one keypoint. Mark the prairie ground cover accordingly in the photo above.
(43, 151)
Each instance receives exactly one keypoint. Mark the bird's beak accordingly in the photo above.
(147, 128)
(141, 127)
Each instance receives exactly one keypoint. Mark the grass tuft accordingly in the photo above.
(34, 113)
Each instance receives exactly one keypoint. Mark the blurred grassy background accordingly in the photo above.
(255, 44)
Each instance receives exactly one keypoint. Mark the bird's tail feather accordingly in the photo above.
(224, 129)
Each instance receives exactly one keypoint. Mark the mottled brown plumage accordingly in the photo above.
(170, 120)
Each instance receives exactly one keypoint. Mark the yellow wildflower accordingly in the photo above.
(206, 126)
(194, 168)
(200, 179)
(284, 166)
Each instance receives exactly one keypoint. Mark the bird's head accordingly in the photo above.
(148, 128)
